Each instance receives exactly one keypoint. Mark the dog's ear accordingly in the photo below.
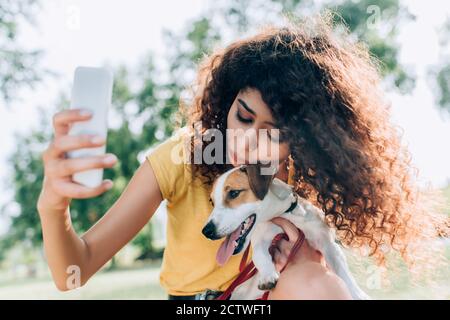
(260, 177)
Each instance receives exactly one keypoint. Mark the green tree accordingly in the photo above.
(374, 23)
(377, 24)
(19, 67)
(440, 73)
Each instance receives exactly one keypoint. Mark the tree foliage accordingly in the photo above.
(18, 66)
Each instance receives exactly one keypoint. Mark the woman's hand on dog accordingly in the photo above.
(283, 247)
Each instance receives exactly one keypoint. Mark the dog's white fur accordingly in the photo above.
(305, 216)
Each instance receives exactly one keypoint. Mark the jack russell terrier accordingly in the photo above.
(245, 199)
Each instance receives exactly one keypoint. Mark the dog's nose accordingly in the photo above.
(209, 231)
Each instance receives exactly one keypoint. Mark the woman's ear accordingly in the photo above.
(260, 177)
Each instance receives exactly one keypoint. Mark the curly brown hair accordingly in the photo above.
(324, 92)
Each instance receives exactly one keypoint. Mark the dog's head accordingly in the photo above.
(243, 197)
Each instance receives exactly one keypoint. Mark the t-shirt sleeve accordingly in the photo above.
(166, 160)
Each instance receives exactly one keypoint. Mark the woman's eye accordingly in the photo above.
(233, 194)
(242, 119)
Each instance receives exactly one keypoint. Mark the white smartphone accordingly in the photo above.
(92, 90)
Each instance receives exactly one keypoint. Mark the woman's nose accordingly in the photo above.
(251, 144)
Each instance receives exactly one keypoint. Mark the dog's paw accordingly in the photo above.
(268, 282)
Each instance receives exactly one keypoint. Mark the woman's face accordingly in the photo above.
(250, 115)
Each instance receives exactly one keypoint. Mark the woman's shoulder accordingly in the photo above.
(168, 161)
(172, 148)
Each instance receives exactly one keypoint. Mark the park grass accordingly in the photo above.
(142, 283)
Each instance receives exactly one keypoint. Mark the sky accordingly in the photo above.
(81, 32)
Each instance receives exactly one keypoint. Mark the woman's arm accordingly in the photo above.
(102, 241)
(69, 255)
(309, 281)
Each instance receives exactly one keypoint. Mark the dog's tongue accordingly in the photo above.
(227, 247)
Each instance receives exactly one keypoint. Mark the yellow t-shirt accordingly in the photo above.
(189, 263)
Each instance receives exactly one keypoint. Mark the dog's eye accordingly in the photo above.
(211, 201)
(233, 194)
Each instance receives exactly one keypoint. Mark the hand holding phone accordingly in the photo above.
(92, 90)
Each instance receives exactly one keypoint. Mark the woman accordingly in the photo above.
(317, 96)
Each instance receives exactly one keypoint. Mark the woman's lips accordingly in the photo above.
(236, 160)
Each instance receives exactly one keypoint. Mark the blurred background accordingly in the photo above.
(153, 48)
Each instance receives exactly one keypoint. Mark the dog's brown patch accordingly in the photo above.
(237, 180)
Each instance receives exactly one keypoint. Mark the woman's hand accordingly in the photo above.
(58, 188)
(283, 247)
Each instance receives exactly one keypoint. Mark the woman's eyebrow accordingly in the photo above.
(242, 102)
(245, 105)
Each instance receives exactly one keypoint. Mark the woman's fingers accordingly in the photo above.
(58, 186)
(67, 143)
(288, 227)
(281, 252)
(68, 167)
(77, 191)
(283, 247)
(279, 259)
(63, 120)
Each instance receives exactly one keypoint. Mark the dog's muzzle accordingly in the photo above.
(210, 231)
